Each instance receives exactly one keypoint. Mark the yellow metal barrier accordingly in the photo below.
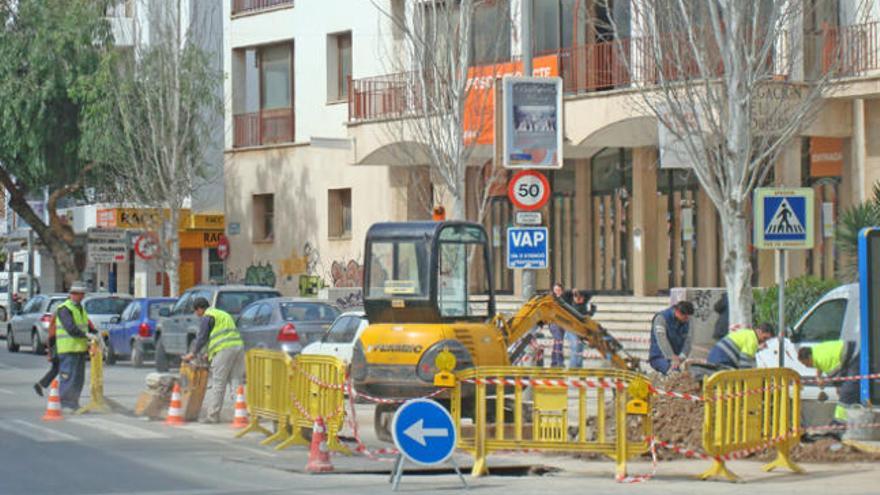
(268, 393)
(97, 402)
(601, 400)
(317, 388)
(748, 410)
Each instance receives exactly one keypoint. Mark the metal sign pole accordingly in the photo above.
(528, 276)
(781, 284)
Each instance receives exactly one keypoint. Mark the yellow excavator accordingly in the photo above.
(428, 287)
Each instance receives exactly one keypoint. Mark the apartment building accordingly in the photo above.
(310, 163)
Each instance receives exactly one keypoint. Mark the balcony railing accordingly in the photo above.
(242, 6)
(264, 127)
(851, 50)
(844, 51)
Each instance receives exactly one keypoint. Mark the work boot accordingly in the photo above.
(209, 420)
(38, 389)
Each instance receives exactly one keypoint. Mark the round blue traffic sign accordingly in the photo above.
(423, 432)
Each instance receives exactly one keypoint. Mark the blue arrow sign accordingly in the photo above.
(424, 432)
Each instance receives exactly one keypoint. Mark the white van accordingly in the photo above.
(834, 316)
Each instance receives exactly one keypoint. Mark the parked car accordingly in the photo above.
(31, 325)
(285, 323)
(177, 328)
(103, 307)
(131, 334)
(834, 316)
(338, 341)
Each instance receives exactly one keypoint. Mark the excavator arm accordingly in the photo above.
(547, 308)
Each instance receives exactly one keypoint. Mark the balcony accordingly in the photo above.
(849, 51)
(389, 96)
(251, 6)
(262, 128)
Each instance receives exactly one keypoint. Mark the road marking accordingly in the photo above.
(119, 429)
(4, 391)
(36, 433)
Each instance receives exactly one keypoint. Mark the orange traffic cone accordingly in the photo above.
(319, 454)
(241, 412)
(53, 406)
(175, 414)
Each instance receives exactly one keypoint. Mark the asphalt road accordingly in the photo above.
(121, 454)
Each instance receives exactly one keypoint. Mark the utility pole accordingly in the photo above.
(525, 15)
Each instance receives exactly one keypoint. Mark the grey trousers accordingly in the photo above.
(227, 368)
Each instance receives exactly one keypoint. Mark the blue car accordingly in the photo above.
(130, 335)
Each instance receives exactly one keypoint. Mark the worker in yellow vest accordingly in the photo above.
(737, 350)
(225, 353)
(73, 330)
(835, 359)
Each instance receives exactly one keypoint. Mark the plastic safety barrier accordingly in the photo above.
(268, 393)
(603, 400)
(751, 410)
(317, 390)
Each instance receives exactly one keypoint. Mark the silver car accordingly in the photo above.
(104, 307)
(285, 323)
(31, 325)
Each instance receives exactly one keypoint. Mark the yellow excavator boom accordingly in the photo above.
(547, 308)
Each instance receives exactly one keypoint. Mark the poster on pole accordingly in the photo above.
(532, 122)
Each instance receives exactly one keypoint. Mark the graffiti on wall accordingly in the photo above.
(350, 274)
(260, 274)
(351, 300)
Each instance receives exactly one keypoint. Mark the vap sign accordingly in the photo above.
(527, 247)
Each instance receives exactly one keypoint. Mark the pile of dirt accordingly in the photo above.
(678, 421)
(824, 450)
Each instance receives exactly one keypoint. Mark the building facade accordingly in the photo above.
(306, 173)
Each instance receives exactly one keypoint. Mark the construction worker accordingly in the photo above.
(737, 350)
(671, 338)
(225, 353)
(835, 359)
(72, 334)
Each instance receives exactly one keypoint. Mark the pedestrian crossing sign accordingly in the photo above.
(783, 218)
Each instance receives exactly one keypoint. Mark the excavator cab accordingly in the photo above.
(427, 272)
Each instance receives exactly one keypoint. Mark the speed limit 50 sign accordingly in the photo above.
(528, 190)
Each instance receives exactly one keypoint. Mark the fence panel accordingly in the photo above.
(268, 392)
(749, 410)
(601, 400)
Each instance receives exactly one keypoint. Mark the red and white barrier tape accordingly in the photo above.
(379, 400)
(360, 447)
(316, 380)
(841, 427)
(639, 478)
(691, 453)
(814, 380)
(548, 382)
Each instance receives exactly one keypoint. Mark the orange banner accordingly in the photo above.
(479, 106)
(826, 157)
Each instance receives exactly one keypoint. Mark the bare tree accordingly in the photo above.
(154, 118)
(728, 81)
(445, 111)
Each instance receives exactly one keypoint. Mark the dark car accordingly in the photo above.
(131, 334)
(285, 323)
(178, 327)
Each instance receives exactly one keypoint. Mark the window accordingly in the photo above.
(216, 267)
(136, 312)
(248, 316)
(106, 305)
(339, 63)
(308, 312)
(264, 315)
(264, 217)
(157, 308)
(182, 304)
(233, 302)
(33, 305)
(339, 213)
(824, 323)
(275, 77)
(53, 305)
(343, 330)
(399, 270)
(459, 272)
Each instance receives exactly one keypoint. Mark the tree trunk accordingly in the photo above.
(62, 251)
(737, 264)
(174, 255)
(459, 198)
